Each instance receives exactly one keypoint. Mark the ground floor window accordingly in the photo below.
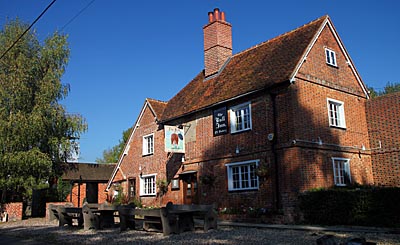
(242, 175)
(341, 171)
(148, 185)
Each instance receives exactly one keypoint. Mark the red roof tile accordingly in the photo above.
(157, 106)
(87, 171)
(256, 68)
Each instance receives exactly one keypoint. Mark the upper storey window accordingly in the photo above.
(336, 113)
(240, 117)
(148, 144)
(330, 57)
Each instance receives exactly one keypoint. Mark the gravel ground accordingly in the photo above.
(49, 233)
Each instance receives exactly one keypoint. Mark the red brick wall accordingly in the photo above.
(302, 122)
(14, 210)
(101, 196)
(384, 126)
(151, 164)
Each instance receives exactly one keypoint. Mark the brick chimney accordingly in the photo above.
(217, 42)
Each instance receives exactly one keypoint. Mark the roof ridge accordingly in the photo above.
(280, 36)
(155, 100)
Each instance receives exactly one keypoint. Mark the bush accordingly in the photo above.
(361, 206)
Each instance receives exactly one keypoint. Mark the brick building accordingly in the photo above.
(88, 182)
(384, 131)
(258, 127)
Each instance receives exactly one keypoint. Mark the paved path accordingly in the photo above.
(362, 229)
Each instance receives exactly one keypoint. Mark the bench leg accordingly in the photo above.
(64, 220)
(210, 221)
(126, 222)
(185, 222)
(122, 222)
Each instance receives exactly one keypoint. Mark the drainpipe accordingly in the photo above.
(278, 204)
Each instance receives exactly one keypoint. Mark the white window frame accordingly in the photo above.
(148, 185)
(336, 115)
(330, 57)
(244, 124)
(148, 150)
(341, 169)
(251, 181)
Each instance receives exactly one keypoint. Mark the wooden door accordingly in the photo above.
(92, 192)
(189, 186)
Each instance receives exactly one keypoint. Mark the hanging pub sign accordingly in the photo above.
(220, 121)
(174, 139)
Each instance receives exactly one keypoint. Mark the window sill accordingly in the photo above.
(147, 195)
(240, 131)
(146, 155)
(333, 66)
(243, 190)
(337, 127)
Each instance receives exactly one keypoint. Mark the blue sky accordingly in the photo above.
(124, 51)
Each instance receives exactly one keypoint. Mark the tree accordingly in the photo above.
(389, 88)
(36, 132)
(112, 155)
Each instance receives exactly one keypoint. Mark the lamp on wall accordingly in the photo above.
(237, 150)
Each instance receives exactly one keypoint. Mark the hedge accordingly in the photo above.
(361, 206)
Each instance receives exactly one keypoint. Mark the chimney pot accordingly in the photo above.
(223, 16)
(210, 17)
(216, 14)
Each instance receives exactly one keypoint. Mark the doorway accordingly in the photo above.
(189, 188)
(92, 191)
(132, 189)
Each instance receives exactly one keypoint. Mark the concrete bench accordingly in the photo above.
(126, 217)
(206, 213)
(67, 215)
(98, 216)
(158, 219)
(52, 211)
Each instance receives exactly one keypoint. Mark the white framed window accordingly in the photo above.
(148, 144)
(341, 171)
(336, 113)
(242, 175)
(148, 185)
(330, 57)
(240, 117)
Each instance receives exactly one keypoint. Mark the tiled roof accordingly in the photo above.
(158, 106)
(256, 68)
(87, 172)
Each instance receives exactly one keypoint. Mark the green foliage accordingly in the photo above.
(162, 185)
(112, 155)
(389, 88)
(35, 130)
(361, 206)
